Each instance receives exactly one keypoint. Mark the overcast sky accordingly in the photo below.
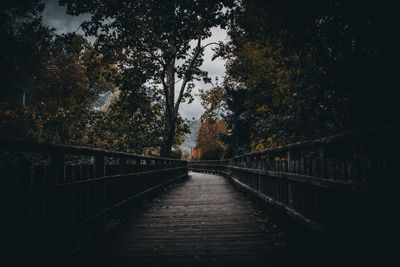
(55, 16)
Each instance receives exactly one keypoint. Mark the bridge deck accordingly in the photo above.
(201, 222)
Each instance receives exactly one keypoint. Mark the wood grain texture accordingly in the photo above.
(203, 222)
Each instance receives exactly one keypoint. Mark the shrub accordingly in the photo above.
(215, 152)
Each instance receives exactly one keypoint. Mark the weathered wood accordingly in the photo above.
(58, 200)
(201, 222)
(328, 181)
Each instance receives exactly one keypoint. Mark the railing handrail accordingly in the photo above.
(210, 161)
(15, 144)
(323, 141)
(305, 180)
(58, 196)
(319, 142)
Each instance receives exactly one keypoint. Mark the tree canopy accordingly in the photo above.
(52, 83)
(304, 69)
(151, 40)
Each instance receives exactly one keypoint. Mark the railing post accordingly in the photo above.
(156, 164)
(98, 161)
(258, 161)
(322, 161)
(122, 165)
(99, 226)
(56, 168)
(289, 160)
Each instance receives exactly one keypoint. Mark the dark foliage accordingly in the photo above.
(304, 69)
(214, 152)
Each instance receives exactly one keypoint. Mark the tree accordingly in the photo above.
(131, 123)
(238, 121)
(196, 154)
(212, 102)
(151, 41)
(209, 134)
(60, 76)
(63, 77)
(305, 69)
(209, 142)
(70, 80)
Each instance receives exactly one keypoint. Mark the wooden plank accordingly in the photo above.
(201, 221)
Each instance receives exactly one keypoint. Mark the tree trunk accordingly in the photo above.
(170, 114)
(168, 137)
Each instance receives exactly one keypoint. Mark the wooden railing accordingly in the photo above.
(60, 190)
(332, 184)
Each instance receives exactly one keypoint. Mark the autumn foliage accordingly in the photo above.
(209, 138)
(196, 154)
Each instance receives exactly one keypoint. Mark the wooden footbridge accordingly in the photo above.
(315, 203)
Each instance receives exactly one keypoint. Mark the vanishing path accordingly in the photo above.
(202, 222)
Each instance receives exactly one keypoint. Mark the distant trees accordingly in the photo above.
(212, 101)
(209, 133)
(209, 145)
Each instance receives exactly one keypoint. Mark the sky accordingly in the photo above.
(55, 16)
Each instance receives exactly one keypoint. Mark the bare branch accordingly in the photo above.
(212, 43)
(154, 56)
(178, 81)
(186, 78)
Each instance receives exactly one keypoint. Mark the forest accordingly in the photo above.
(295, 70)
